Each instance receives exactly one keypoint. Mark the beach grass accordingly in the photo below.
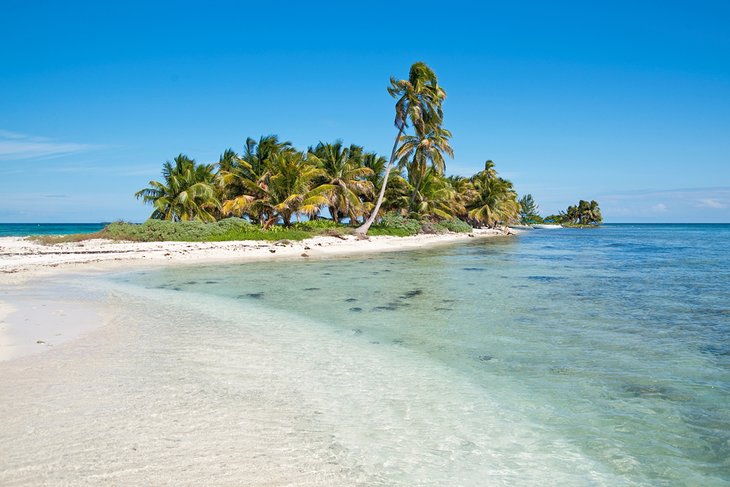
(194, 231)
(70, 238)
(239, 229)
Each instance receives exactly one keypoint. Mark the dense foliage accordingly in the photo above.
(274, 183)
(583, 214)
(271, 182)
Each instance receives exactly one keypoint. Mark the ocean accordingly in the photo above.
(559, 357)
(28, 229)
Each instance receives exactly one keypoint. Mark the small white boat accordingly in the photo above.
(547, 226)
(521, 227)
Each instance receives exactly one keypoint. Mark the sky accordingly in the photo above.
(627, 103)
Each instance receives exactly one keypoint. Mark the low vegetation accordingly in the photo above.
(240, 229)
(58, 239)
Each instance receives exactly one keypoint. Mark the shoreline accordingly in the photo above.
(23, 259)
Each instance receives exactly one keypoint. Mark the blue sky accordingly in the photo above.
(624, 102)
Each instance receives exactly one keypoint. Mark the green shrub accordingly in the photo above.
(456, 225)
(377, 231)
(258, 233)
(395, 224)
(228, 229)
(392, 224)
(317, 225)
(235, 224)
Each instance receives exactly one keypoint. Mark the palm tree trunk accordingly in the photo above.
(363, 229)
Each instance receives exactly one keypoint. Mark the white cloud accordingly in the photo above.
(659, 208)
(711, 203)
(15, 146)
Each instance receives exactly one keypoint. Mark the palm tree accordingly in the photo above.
(435, 197)
(496, 200)
(489, 169)
(420, 151)
(584, 213)
(463, 194)
(377, 165)
(344, 180)
(290, 186)
(227, 165)
(287, 191)
(397, 196)
(187, 193)
(419, 101)
(247, 177)
(228, 160)
(595, 212)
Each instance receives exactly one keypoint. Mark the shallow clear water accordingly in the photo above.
(562, 357)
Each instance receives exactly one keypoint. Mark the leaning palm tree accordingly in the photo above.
(187, 193)
(419, 101)
(343, 181)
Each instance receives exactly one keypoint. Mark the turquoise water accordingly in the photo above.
(26, 229)
(560, 357)
(612, 344)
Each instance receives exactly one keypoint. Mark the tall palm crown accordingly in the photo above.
(187, 193)
(344, 179)
(489, 170)
(419, 100)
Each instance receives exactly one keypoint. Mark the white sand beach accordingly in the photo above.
(23, 258)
